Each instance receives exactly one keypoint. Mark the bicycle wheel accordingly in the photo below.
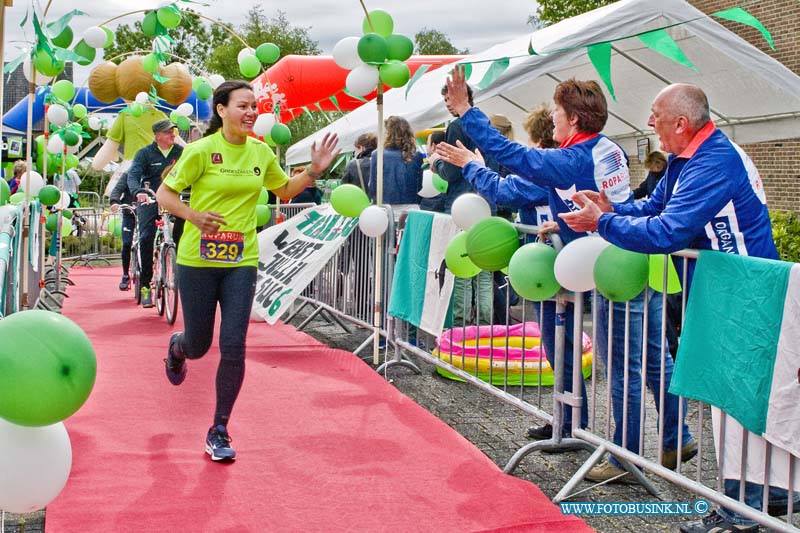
(135, 276)
(158, 281)
(170, 284)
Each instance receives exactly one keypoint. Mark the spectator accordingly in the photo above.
(20, 168)
(122, 195)
(656, 164)
(357, 170)
(402, 165)
(310, 195)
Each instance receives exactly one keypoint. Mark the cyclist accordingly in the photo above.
(122, 195)
(226, 170)
(148, 165)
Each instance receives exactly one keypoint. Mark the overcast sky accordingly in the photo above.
(473, 24)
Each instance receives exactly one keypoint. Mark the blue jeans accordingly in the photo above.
(547, 326)
(753, 493)
(653, 374)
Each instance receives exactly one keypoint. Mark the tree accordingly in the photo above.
(194, 41)
(257, 30)
(552, 11)
(433, 42)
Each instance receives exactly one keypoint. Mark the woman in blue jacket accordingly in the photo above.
(402, 165)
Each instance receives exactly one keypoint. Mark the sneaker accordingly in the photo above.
(125, 284)
(716, 523)
(669, 458)
(218, 444)
(175, 366)
(147, 297)
(605, 471)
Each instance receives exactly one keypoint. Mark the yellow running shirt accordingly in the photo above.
(134, 133)
(225, 178)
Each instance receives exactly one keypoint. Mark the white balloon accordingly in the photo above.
(32, 183)
(345, 53)
(574, 266)
(57, 115)
(215, 80)
(64, 201)
(29, 72)
(468, 209)
(34, 465)
(94, 123)
(55, 145)
(245, 52)
(373, 221)
(263, 124)
(95, 37)
(362, 80)
(75, 149)
(142, 98)
(428, 190)
(185, 109)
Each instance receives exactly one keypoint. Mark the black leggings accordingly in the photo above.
(201, 288)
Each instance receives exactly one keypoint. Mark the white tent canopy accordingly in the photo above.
(753, 97)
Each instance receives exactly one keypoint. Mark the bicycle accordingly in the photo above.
(136, 260)
(163, 284)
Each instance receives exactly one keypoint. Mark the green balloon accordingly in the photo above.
(349, 200)
(204, 91)
(491, 242)
(115, 226)
(150, 63)
(47, 65)
(381, 23)
(262, 215)
(657, 275)
(79, 111)
(372, 48)
(281, 134)
(49, 195)
(43, 351)
(64, 39)
(439, 183)
(619, 274)
(173, 116)
(71, 138)
(136, 109)
(183, 123)
(64, 90)
(150, 25)
(197, 81)
(399, 47)
(394, 73)
(16, 198)
(263, 196)
(85, 52)
(51, 224)
(457, 260)
(169, 16)
(67, 213)
(5, 192)
(109, 37)
(530, 272)
(250, 66)
(268, 53)
(72, 161)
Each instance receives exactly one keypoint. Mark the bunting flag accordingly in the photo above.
(660, 41)
(497, 67)
(740, 345)
(600, 56)
(737, 14)
(417, 75)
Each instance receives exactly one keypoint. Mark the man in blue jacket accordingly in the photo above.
(585, 159)
(711, 198)
(148, 166)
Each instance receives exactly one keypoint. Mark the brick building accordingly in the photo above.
(777, 161)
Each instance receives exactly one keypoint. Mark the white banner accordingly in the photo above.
(292, 253)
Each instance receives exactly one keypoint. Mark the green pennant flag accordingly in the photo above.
(467, 70)
(600, 56)
(417, 75)
(348, 93)
(531, 51)
(660, 41)
(335, 102)
(58, 26)
(737, 14)
(495, 70)
(306, 111)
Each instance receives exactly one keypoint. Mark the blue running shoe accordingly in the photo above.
(218, 444)
(175, 366)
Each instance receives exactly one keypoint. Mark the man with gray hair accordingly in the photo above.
(711, 198)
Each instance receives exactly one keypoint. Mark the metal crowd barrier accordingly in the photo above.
(10, 258)
(344, 290)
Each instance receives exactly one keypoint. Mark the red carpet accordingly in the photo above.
(323, 442)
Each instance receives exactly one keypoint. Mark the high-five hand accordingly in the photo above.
(459, 155)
